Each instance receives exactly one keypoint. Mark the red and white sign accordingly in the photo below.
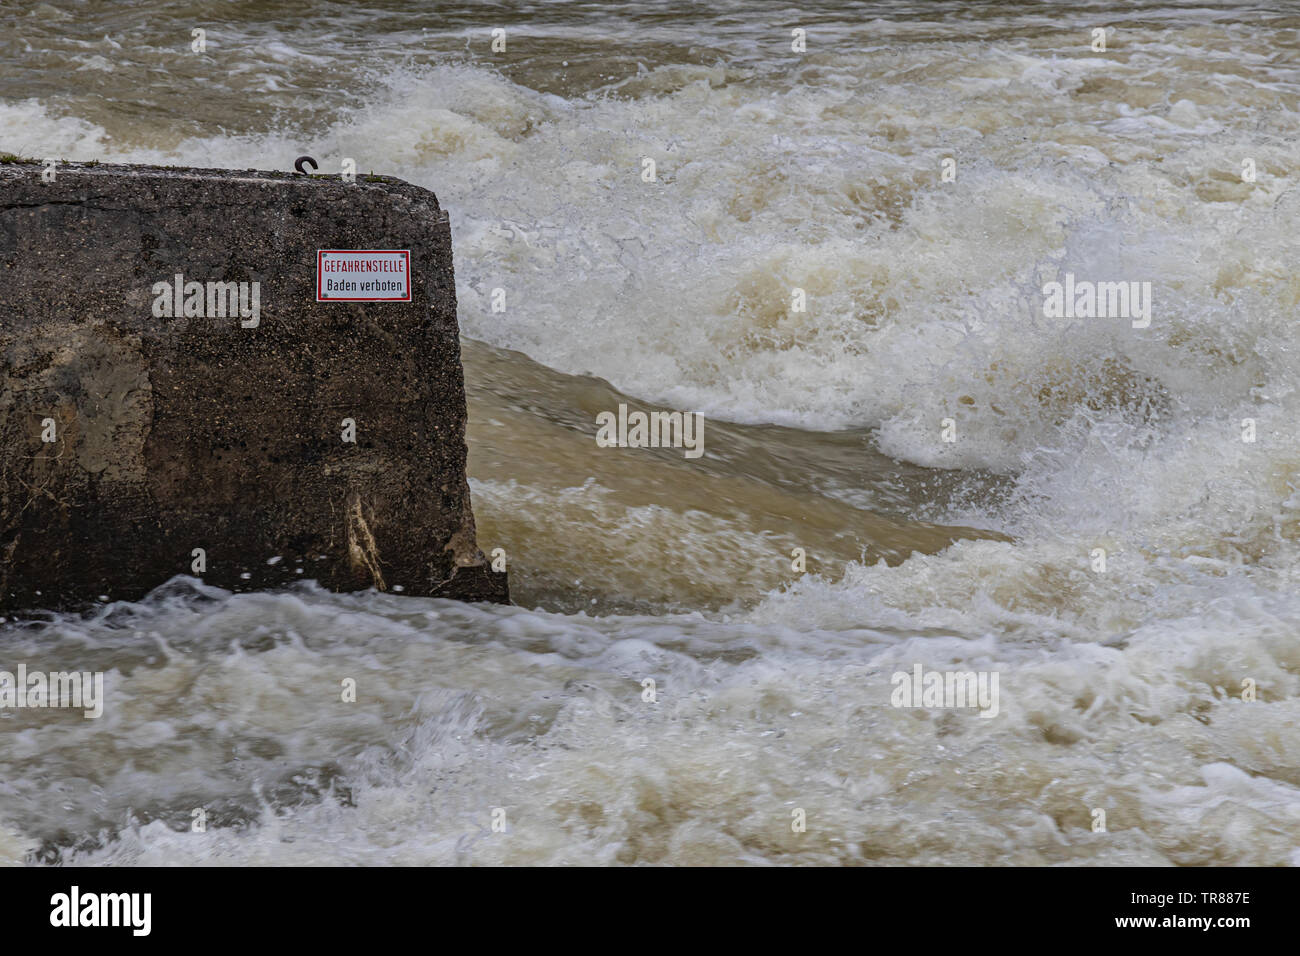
(363, 275)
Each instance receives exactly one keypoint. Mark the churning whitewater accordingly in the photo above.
(1105, 540)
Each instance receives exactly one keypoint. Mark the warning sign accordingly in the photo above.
(363, 275)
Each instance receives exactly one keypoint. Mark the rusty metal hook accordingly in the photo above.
(297, 164)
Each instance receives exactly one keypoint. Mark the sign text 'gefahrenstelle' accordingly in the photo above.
(363, 275)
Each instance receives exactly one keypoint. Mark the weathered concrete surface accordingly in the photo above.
(180, 433)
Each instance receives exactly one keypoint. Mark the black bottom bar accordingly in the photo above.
(948, 906)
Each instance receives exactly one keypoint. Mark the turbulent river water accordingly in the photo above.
(1125, 689)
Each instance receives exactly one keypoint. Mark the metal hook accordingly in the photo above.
(297, 164)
